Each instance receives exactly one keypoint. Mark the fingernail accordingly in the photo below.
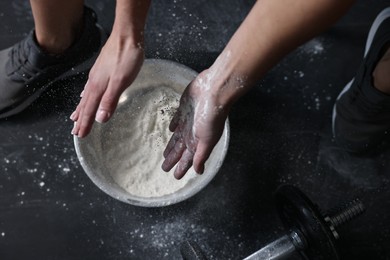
(201, 170)
(82, 93)
(102, 116)
(74, 130)
(72, 116)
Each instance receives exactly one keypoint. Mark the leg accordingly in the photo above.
(27, 69)
(381, 73)
(57, 23)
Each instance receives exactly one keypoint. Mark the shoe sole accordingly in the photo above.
(75, 71)
(384, 14)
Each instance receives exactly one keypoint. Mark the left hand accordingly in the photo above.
(114, 70)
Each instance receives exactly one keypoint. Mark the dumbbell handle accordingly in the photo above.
(279, 249)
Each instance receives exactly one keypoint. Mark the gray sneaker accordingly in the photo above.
(27, 71)
(361, 115)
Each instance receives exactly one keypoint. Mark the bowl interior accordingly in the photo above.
(100, 152)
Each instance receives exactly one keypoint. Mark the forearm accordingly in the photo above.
(272, 29)
(130, 18)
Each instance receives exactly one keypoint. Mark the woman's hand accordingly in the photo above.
(197, 125)
(116, 67)
(114, 70)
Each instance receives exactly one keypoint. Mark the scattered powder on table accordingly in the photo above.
(140, 138)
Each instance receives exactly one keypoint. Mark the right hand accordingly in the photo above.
(197, 125)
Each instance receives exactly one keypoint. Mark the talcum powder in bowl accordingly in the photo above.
(123, 157)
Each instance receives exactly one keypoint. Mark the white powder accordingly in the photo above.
(139, 143)
(313, 47)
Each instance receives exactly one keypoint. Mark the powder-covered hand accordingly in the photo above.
(114, 70)
(197, 125)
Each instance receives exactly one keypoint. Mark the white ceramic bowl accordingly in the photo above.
(91, 150)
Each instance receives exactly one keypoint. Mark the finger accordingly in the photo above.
(175, 121)
(74, 131)
(184, 164)
(92, 96)
(203, 151)
(174, 156)
(75, 114)
(108, 103)
(172, 142)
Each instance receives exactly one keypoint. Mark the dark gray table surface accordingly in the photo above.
(280, 133)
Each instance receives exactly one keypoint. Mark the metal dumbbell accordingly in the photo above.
(310, 234)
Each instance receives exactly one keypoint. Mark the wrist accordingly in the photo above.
(128, 38)
(224, 81)
(130, 19)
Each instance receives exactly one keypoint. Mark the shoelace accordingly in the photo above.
(22, 69)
